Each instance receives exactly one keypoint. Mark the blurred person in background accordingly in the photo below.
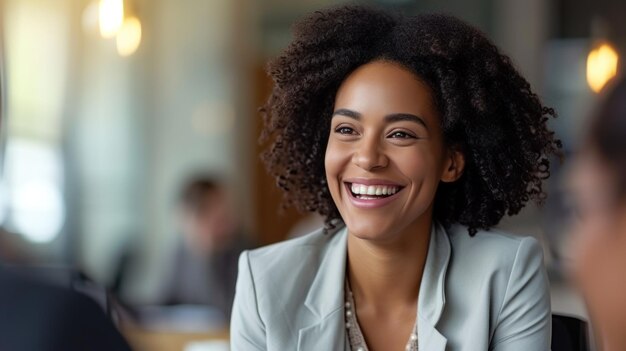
(203, 270)
(598, 249)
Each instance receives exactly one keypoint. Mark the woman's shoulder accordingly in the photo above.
(493, 257)
(499, 281)
(293, 255)
(492, 244)
(313, 241)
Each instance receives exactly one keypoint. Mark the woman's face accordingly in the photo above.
(385, 153)
(598, 249)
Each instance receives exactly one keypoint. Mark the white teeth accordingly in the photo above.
(376, 190)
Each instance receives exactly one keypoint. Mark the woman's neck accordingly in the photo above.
(387, 276)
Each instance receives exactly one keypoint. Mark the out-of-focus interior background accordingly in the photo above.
(111, 106)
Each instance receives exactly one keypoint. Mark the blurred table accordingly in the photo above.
(149, 340)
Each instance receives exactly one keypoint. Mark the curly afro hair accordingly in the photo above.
(487, 110)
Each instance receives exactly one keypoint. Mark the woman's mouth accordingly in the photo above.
(372, 192)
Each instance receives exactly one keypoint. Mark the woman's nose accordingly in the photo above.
(369, 156)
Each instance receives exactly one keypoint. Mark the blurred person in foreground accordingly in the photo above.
(598, 181)
(204, 266)
(39, 316)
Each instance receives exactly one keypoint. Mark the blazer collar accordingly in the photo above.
(326, 296)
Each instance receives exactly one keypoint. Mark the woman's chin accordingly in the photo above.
(369, 231)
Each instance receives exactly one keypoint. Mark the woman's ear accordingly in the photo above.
(454, 166)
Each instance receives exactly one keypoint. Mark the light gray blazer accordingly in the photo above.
(487, 292)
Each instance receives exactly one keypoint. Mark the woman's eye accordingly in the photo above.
(344, 130)
(401, 135)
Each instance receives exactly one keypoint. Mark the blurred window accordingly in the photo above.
(36, 35)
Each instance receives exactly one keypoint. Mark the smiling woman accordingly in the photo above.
(391, 138)
(413, 136)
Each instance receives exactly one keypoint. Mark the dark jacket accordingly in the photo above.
(35, 316)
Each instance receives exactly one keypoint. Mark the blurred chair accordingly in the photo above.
(569, 334)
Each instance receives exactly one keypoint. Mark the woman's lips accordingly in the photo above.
(372, 195)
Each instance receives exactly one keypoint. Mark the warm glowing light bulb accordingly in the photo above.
(111, 17)
(129, 36)
(601, 66)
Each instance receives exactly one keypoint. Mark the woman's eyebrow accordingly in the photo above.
(394, 117)
(347, 113)
(398, 117)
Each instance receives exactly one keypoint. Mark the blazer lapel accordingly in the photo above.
(329, 334)
(432, 296)
(429, 337)
(325, 299)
